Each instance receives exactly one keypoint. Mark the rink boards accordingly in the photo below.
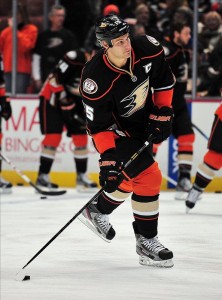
(22, 145)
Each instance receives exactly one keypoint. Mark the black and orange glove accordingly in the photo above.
(5, 108)
(110, 168)
(160, 123)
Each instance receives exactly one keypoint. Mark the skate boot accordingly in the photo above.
(193, 196)
(84, 184)
(183, 187)
(44, 183)
(152, 253)
(5, 186)
(97, 222)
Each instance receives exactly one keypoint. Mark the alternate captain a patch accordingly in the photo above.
(89, 86)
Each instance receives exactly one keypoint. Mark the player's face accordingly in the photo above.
(121, 46)
(184, 36)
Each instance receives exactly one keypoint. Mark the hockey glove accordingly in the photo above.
(110, 168)
(5, 108)
(160, 123)
(67, 106)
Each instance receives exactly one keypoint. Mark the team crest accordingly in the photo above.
(89, 86)
(103, 25)
(153, 40)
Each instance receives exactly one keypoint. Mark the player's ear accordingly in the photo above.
(104, 44)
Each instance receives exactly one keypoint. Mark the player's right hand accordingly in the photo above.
(110, 168)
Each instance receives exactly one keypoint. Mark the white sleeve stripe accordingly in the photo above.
(164, 88)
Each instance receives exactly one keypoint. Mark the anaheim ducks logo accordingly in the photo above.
(137, 99)
(102, 25)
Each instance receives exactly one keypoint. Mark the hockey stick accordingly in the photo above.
(200, 131)
(79, 119)
(20, 276)
(26, 179)
(169, 179)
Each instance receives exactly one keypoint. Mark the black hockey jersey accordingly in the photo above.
(65, 76)
(178, 60)
(51, 46)
(118, 101)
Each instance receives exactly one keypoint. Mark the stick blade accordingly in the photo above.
(52, 193)
(21, 276)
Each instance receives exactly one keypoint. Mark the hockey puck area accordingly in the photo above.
(21, 276)
(43, 197)
(218, 192)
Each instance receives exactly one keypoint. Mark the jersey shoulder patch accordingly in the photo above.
(97, 79)
(89, 86)
(153, 40)
(145, 46)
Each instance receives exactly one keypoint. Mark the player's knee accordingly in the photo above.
(148, 182)
(52, 140)
(80, 140)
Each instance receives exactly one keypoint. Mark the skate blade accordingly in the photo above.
(92, 227)
(146, 261)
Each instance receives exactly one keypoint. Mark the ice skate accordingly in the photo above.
(193, 196)
(97, 222)
(152, 253)
(183, 187)
(84, 184)
(44, 183)
(5, 186)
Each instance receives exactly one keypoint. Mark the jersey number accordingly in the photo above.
(89, 112)
(63, 66)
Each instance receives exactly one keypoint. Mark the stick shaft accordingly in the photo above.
(88, 203)
(200, 131)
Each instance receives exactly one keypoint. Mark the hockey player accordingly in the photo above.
(182, 127)
(59, 103)
(127, 92)
(5, 113)
(212, 162)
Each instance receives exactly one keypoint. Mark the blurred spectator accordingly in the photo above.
(167, 16)
(211, 32)
(143, 17)
(208, 38)
(26, 39)
(138, 29)
(91, 44)
(217, 6)
(51, 45)
(211, 84)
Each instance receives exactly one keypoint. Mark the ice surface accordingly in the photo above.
(78, 265)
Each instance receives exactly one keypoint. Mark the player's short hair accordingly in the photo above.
(56, 7)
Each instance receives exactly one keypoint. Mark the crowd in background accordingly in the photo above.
(73, 28)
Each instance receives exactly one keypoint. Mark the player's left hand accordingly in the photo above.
(110, 168)
(5, 108)
(160, 123)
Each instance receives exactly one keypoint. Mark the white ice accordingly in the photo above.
(78, 265)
